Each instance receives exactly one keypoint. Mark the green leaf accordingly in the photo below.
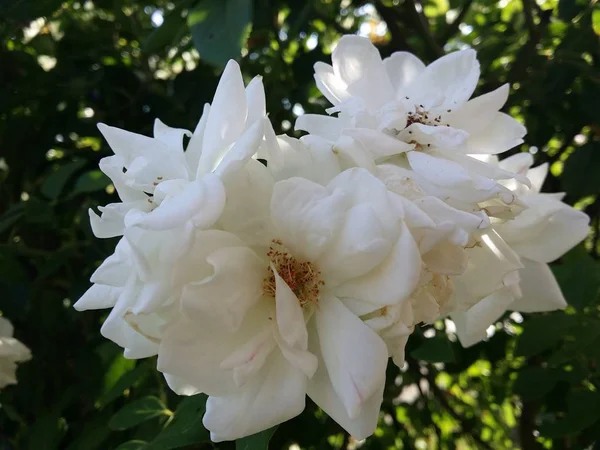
(11, 215)
(46, 433)
(579, 277)
(583, 411)
(585, 160)
(132, 445)
(568, 9)
(119, 365)
(167, 34)
(543, 332)
(435, 350)
(93, 435)
(581, 337)
(123, 383)
(91, 181)
(186, 426)
(136, 412)
(220, 28)
(535, 382)
(258, 441)
(54, 184)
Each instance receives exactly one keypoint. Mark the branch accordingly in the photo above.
(526, 427)
(528, 11)
(453, 27)
(423, 27)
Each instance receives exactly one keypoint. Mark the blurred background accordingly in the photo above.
(66, 65)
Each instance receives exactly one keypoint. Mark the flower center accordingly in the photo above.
(420, 115)
(302, 277)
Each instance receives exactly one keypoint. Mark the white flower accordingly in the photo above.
(11, 352)
(167, 195)
(417, 117)
(141, 282)
(266, 326)
(540, 234)
(161, 185)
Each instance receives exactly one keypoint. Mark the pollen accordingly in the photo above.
(303, 278)
(420, 115)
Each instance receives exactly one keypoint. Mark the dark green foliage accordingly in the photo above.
(533, 385)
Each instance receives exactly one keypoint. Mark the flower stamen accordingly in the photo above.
(302, 277)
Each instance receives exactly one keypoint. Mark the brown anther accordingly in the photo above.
(302, 277)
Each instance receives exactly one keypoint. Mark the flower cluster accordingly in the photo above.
(262, 268)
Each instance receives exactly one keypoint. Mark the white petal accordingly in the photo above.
(446, 258)
(111, 222)
(379, 144)
(180, 386)
(361, 186)
(353, 154)
(489, 262)
(541, 292)
(233, 288)
(255, 98)
(113, 167)
(310, 157)
(442, 212)
(327, 127)
(6, 327)
(195, 349)
(547, 229)
(354, 355)
(227, 117)
(98, 296)
(306, 216)
(454, 75)
(302, 360)
(393, 280)
(194, 147)
(152, 296)
(324, 165)
(117, 329)
(331, 86)
(194, 266)
(482, 168)
(502, 134)
(247, 208)
(471, 325)
(360, 245)
(248, 359)
(275, 396)
(129, 146)
(243, 149)
(439, 171)
(201, 200)
(477, 114)
(517, 163)
(290, 318)
(358, 63)
(437, 137)
(537, 175)
(172, 137)
(402, 68)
